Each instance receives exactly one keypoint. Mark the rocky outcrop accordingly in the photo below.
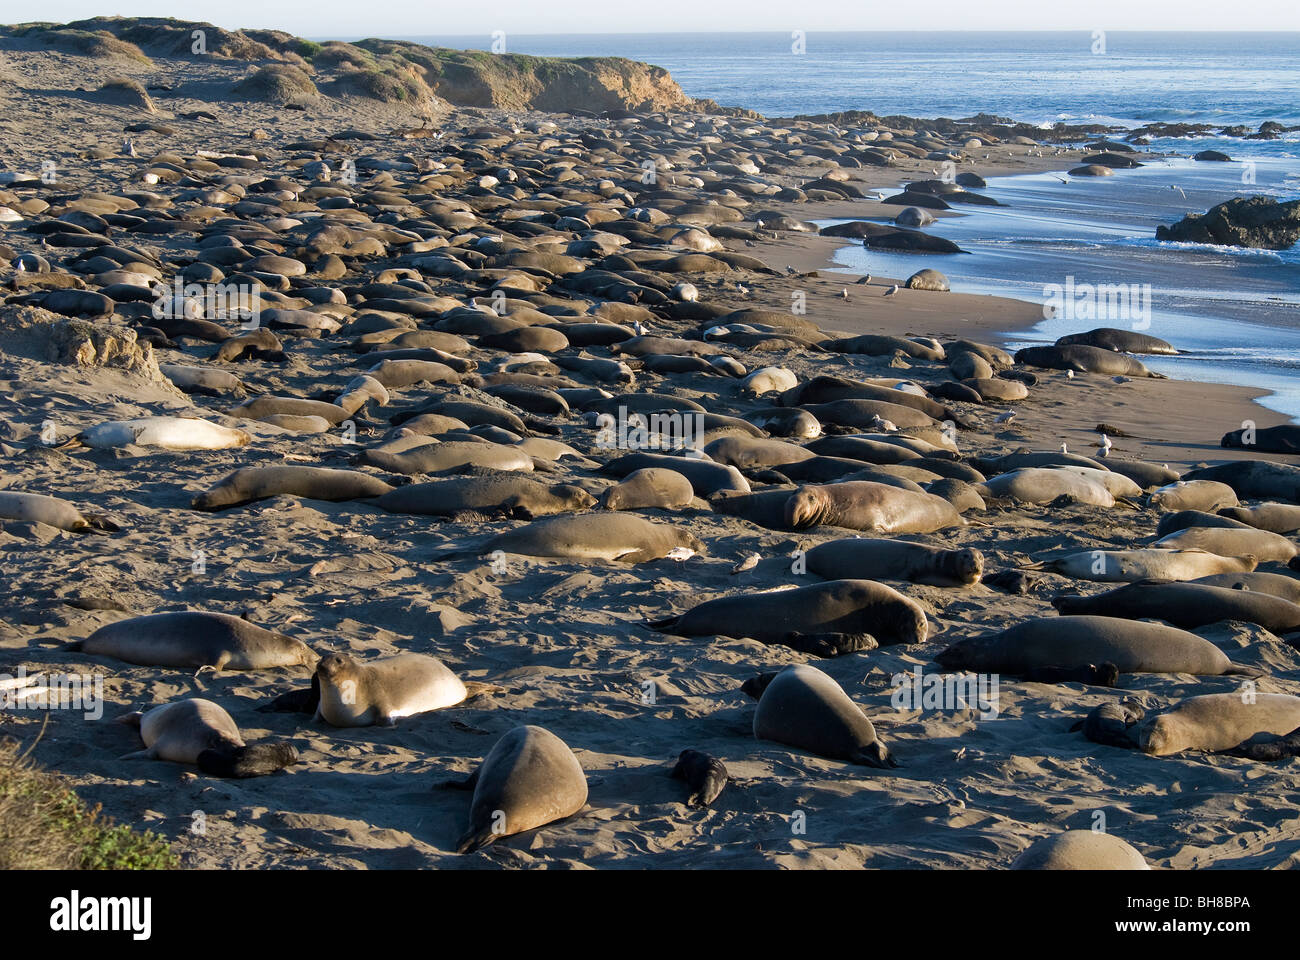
(38, 334)
(1243, 222)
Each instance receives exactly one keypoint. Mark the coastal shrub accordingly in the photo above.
(45, 826)
(90, 44)
(276, 84)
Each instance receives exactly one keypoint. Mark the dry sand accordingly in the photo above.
(564, 639)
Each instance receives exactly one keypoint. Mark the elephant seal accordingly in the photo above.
(859, 559)
(1134, 646)
(440, 456)
(1085, 359)
(706, 477)
(1080, 850)
(1120, 341)
(867, 505)
(200, 732)
(1144, 474)
(191, 638)
(315, 483)
(834, 607)
(1203, 495)
(513, 495)
(293, 406)
(1113, 724)
(355, 694)
(1284, 438)
(39, 508)
(593, 536)
(530, 778)
(1273, 517)
(1186, 605)
(804, 708)
(1173, 522)
(1219, 721)
(1044, 485)
(1128, 566)
(1228, 542)
(749, 453)
(705, 777)
(1273, 584)
(650, 487)
(170, 433)
(1254, 479)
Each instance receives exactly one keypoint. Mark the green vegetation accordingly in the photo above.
(45, 826)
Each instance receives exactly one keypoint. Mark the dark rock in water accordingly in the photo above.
(1214, 155)
(1280, 439)
(1112, 160)
(1242, 222)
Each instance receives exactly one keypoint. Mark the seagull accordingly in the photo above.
(1006, 417)
(742, 289)
(1105, 446)
(865, 279)
(748, 563)
(844, 294)
(128, 148)
(638, 328)
(1063, 449)
(883, 425)
(1064, 181)
(1174, 186)
(790, 270)
(934, 170)
(1069, 374)
(892, 290)
(22, 267)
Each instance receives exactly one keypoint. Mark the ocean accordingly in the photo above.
(1235, 313)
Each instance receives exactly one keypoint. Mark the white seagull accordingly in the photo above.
(892, 290)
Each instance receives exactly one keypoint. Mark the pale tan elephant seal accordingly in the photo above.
(202, 733)
(867, 505)
(190, 639)
(804, 708)
(1219, 721)
(1080, 850)
(355, 694)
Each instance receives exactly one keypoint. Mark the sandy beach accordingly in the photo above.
(561, 641)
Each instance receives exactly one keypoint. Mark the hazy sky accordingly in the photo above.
(459, 17)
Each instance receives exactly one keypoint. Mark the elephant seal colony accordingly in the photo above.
(512, 414)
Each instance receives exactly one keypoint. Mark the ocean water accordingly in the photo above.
(1235, 313)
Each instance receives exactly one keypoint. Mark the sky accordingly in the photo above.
(393, 18)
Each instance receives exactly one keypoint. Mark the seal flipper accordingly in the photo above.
(875, 754)
(256, 760)
(469, 783)
(476, 839)
(140, 755)
(666, 625)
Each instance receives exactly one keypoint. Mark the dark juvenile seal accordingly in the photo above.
(355, 694)
(1080, 850)
(805, 709)
(1284, 438)
(315, 483)
(1120, 341)
(705, 777)
(190, 639)
(38, 508)
(1094, 675)
(200, 732)
(1134, 646)
(529, 779)
(867, 505)
(1084, 359)
(1219, 721)
(593, 536)
(754, 686)
(514, 496)
(1186, 605)
(862, 559)
(1113, 724)
(849, 607)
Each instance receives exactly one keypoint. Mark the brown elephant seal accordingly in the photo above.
(1113, 724)
(861, 559)
(804, 708)
(592, 536)
(192, 638)
(1273, 584)
(1080, 850)
(530, 778)
(39, 508)
(1204, 495)
(513, 495)
(292, 406)
(1085, 359)
(867, 505)
(962, 495)
(200, 732)
(705, 777)
(1128, 566)
(1186, 605)
(1219, 721)
(1255, 479)
(835, 607)
(1044, 485)
(314, 483)
(1173, 522)
(355, 694)
(440, 456)
(1273, 517)
(1231, 542)
(751, 453)
(1120, 341)
(1134, 646)
(650, 487)
(706, 477)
